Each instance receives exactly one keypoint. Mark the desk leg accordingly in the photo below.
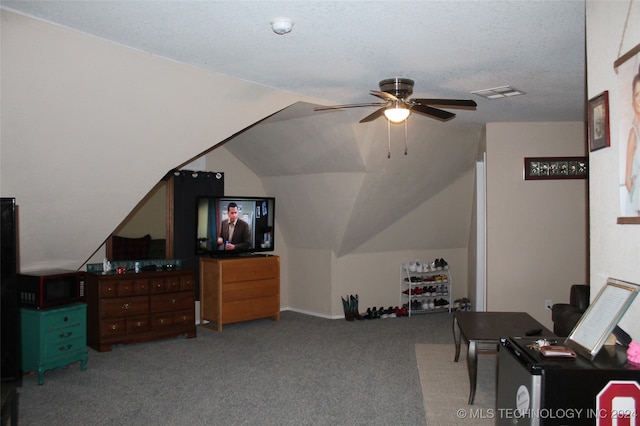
(472, 365)
(456, 338)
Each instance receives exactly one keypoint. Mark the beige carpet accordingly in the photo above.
(445, 386)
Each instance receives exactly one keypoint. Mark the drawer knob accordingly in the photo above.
(114, 326)
(173, 301)
(66, 319)
(65, 335)
(126, 306)
(65, 348)
(161, 320)
(139, 324)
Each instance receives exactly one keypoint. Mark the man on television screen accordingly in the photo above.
(234, 232)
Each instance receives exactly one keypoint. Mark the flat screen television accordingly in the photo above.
(252, 233)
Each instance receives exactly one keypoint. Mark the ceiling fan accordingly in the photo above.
(396, 106)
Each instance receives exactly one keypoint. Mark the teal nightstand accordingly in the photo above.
(53, 338)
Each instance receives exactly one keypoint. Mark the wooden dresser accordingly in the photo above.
(239, 289)
(133, 308)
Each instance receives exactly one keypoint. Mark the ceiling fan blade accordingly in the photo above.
(438, 114)
(384, 95)
(451, 103)
(377, 113)
(326, 108)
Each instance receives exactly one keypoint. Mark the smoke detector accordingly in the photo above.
(281, 25)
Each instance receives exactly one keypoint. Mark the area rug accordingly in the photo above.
(445, 386)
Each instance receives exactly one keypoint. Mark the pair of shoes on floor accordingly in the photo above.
(350, 306)
(463, 304)
(391, 312)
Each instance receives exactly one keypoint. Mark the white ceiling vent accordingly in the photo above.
(498, 92)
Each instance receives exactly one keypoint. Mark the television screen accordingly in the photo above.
(234, 225)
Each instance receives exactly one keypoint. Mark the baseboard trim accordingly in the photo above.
(314, 314)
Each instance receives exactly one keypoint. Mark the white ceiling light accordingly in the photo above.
(396, 114)
(282, 26)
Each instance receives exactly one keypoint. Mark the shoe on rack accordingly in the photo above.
(444, 264)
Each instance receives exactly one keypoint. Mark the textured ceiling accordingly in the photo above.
(339, 50)
(321, 164)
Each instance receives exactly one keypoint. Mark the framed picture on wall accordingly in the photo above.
(627, 68)
(599, 121)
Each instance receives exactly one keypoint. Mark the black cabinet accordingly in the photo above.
(534, 390)
(11, 370)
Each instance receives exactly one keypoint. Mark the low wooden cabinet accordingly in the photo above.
(239, 289)
(53, 338)
(133, 308)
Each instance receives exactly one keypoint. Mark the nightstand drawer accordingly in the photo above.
(63, 318)
(56, 348)
(60, 336)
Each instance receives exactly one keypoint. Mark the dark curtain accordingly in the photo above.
(187, 186)
(11, 365)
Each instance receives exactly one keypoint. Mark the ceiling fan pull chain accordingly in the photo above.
(388, 139)
(405, 137)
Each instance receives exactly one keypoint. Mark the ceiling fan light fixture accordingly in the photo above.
(396, 114)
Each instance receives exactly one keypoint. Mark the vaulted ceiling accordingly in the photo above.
(339, 50)
(326, 163)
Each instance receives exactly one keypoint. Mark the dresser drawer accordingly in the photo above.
(124, 287)
(167, 320)
(125, 306)
(250, 289)
(112, 327)
(243, 310)
(172, 302)
(138, 324)
(250, 269)
(184, 317)
(173, 283)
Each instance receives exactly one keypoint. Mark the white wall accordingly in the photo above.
(615, 249)
(536, 230)
(89, 127)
